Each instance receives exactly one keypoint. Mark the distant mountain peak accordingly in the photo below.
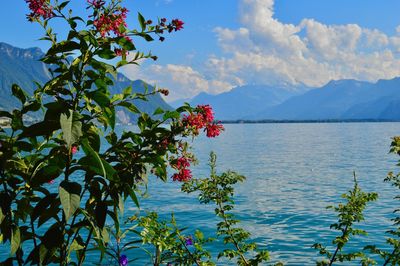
(28, 53)
(22, 66)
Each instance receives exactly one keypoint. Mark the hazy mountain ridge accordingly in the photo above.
(343, 99)
(248, 100)
(339, 99)
(22, 66)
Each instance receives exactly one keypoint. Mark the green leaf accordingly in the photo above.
(94, 156)
(75, 246)
(15, 240)
(100, 214)
(19, 93)
(70, 197)
(62, 47)
(63, 4)
(106, 54)
(127, 91)
(121, 204)
(109, 114)
(125, 44)
(133, 197)
(2, 216)
(101, 98)
(142, 21)
(42, 253)
(158, 111)
(72, 129)
(130, 106)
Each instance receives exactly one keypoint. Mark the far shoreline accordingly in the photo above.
(310, 121)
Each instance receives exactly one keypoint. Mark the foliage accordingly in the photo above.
(349, 213)
(218, 189)
(79, 114)
(391, 256)
(65, 176)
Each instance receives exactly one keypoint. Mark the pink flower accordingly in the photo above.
(74, 149)
(106, 23)
(183, 175)
(51, 182)
(39, 8)
(207, 112)
(182, 162)
(96, 3)
(196, 121)
(120, 52)
(213, 130)
(177, 24)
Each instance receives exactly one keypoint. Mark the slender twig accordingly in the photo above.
(337, 248)
(81, 259)
(390, 257)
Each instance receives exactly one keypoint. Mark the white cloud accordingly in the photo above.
(267, 51)
(182, 81)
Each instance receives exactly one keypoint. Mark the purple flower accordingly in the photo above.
(189, 241)
(123, 260)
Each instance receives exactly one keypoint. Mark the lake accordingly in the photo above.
(293, 172)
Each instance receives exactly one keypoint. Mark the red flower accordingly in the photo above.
(177, 24)
(120, 52)
(111, 22)
(74, 149)
(39, 8)
(96, 3)
(207, 112)
(182, 176)
(214, 130)
(182, 162)
(195, 121)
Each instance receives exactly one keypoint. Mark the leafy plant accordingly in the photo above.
(55, 198)
(218, 189)
(349, 213)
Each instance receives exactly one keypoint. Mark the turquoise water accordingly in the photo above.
(293, 172)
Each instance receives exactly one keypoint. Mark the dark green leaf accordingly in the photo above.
(70, 197)
(72, 129)
(19, 93)
(15, 240)
(142, 21)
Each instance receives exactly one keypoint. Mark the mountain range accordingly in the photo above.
(23, 67)
(337, 100)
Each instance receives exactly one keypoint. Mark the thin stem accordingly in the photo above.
(34, 234)
(158, 257)
(82, 258)
(337, 248)
(390, 257)
(229, 229)
(188, 251)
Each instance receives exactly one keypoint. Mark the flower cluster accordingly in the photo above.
(203, 117)
(115, 23)
(96, 3)
(177, 24)
(120, 52)
(39, 9)
(184, 174)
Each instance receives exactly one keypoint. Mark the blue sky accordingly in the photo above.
(227, 43)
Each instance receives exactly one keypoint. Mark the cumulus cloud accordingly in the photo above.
(182, 81)
(265, 50)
